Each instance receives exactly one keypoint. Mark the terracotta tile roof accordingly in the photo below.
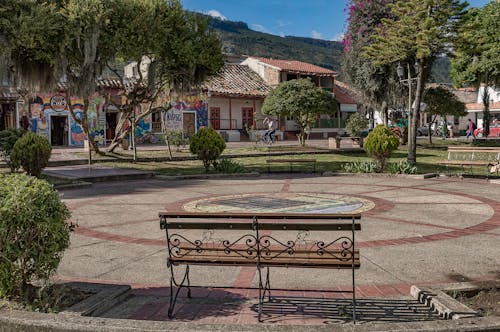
(8, 93)
(237, 80)
(479, 106)
(101, 83)
(297, 67)
(344, 94)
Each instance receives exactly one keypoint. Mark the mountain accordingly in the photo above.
(239, 39)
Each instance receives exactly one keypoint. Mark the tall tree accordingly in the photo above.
(89, 35)
(476, 59)
(301, 100)
(441, 102)
(379, 84)
(417, 30)
(172, 49)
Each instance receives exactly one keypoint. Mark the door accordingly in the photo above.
(188, 124)
(111, 120)
(247, 117)
(215, 117)
(58, 130)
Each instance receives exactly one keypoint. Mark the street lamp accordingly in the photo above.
(408, 82)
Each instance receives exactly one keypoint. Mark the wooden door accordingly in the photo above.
(189, 124)
(247, 117)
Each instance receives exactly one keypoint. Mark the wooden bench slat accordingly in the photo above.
(465, 162)
(265, 226)
(291, 160)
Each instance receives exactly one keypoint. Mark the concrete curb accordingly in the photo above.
(407, 176)
(206, 176)
(13, 320)
(446, 306)
(76, 185)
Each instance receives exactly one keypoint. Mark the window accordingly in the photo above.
(156, 121)
(247, 117)
(215, 117)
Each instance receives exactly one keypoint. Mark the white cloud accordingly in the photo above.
(216, 14)
(281, 23)
(260, 28)
(338, 37)
(316, 35)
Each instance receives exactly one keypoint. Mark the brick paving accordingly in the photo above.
(427, 232)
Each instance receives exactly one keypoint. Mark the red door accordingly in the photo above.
(247, 117)
(215, 117)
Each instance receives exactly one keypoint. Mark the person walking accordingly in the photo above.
(470, 130)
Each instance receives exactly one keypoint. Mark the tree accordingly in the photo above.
(442, 102)
(380, 143)
(172, 49)
(379, 84)
(476, 58)
(417, 31)
(300, 100)
(208, 145)
(87, 36)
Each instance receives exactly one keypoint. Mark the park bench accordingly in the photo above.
(472, 157)
(261, 240)
(291, 162)
(338, 139)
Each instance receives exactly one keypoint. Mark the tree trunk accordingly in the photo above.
(429, 129)
(486, 112)
(384, 113)
(413, 125)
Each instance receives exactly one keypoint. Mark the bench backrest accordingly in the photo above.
(474, 153)
(261, 236)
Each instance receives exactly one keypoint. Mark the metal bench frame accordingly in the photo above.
(471, 153)
(253, 248)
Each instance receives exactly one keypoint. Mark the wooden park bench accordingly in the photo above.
(472, 157)
(261, 240)
(291, 162)
(338, 139)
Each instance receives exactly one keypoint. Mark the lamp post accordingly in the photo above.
(408, 82)
(132, 118)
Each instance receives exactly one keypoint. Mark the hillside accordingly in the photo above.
(239, 39)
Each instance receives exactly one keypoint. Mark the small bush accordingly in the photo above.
(33, 232)
(360, 167)
(208, 145)
(402, 167)
(380, 143)
(176, 137)
(32, 152)
(228, 166)
(8, 139)
(356, 124)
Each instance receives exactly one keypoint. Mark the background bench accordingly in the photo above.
(261, 240)
(472, 156)
(291, 162)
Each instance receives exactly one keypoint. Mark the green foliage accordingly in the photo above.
(33, 232)
(380, 143)
(301, 100)
(208, 145)
(176, 137)
(441, 101)
(476, 59)
(356, 124)
(239, 39)
(402, 167)
(32, 153)
(8, 138)
(360, 167)
(228, 166)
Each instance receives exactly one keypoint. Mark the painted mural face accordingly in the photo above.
(58, 103)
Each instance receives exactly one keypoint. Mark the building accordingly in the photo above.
(274, 71)
(475, 109)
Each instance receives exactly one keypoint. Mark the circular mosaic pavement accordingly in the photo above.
(282, 202)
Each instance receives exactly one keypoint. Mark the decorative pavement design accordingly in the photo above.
(282, 202)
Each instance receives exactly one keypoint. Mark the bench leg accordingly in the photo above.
(175, 294)
(264, 287)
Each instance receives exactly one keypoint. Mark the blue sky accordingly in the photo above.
(323, 19)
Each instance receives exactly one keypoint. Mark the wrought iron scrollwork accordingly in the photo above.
(250, 241)
(271, 247)
(180, 246)
(341, 248)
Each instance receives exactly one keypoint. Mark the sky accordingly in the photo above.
(321, 19)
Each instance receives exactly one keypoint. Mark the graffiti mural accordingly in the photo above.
(187, 104)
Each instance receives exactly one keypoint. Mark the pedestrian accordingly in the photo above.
(470, 130)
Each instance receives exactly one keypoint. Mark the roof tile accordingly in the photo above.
(297, 66)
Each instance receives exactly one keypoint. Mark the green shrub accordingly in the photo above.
(33, 232)
(380, 143)
(356, 124)
(360, 167)
(228, 166)
(8, 138)
(208, 145)
(176, 137)
(32, 152)
(402, 167)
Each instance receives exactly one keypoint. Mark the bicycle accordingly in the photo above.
(268, 138)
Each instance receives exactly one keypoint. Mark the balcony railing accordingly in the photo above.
(224, 124)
